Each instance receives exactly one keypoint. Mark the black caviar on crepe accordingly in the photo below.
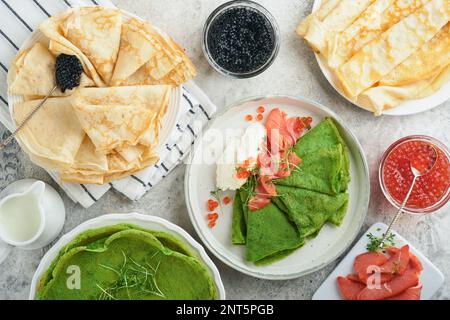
(68, 72)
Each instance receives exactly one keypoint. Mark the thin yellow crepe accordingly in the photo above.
(96, 32)
(342, 15)
(118, 116)
(58, 44)
(425, 63)
(169, 66)
(382, 98)
(379, 17)
(112, 126)
(137, 47)
(54, 132)
(118, 168)
(387, 51)
(32, 73)
(326, 7)
(153, 98)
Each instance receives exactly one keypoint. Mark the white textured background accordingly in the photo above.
(295, 72)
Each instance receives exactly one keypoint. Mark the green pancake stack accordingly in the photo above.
(314, 194)
(125, 262)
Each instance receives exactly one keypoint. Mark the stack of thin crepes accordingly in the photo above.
(108, 127)
(383, 52)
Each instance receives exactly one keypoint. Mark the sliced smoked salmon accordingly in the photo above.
(398, 277)
(413, 260)
(398, 262)
(364, 261)
(349, 288)
(409, 294)
(392, 288)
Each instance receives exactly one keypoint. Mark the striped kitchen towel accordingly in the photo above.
(18, 20)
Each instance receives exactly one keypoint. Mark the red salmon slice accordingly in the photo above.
(413, 260)
(349, 288)
(365, 260)
(257, 203)
(266, 188)
(277, 133)
(294, 160)
(398, 262)
(410, 294)
(415, 263)
(392, 288)
(384, 277)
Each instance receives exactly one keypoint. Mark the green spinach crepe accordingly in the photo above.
(314, 194)
(127, 262)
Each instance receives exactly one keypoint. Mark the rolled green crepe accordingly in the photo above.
(126, 262)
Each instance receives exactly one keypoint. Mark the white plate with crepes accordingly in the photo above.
(138, 219)
(200, 180)
(168, 121)
(406, 108)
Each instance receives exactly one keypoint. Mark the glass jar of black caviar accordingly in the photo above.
(241, 39)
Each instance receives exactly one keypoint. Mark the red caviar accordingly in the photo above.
(226, 200)
(397, 176)
(212, 205)
(248, 117)
(212, 224)
(261, 109)
(213, 216)
(260, 117)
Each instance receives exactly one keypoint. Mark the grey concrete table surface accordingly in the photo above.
(295, 72)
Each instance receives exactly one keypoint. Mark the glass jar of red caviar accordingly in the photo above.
(432, 190)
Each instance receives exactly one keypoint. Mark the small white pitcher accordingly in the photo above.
(32, 215)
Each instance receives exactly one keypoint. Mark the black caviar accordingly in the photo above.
(241, 40)
(68, 72)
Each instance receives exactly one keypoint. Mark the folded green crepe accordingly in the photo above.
(325, 165)
(239, 225)
(315, 193)
(310, 210)
(127, 262)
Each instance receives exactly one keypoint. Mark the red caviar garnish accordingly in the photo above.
(212, 205)
(226, 200)
(260, 117)
(248, 117)
(212, 216)
(242, 173)
(261, 109)
(212, 224)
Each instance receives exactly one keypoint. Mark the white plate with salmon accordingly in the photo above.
(277, 187)
(396, 271)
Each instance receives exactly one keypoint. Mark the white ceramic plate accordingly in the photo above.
(431, 278)
(141, 220)
(170, 118)
(331, 242)
(407, 107)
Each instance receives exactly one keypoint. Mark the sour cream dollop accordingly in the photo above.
(237, 152)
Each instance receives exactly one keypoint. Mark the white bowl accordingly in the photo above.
(141, 220)
(406, 108)
(317, 253)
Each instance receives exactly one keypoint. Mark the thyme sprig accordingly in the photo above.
(375, 242)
